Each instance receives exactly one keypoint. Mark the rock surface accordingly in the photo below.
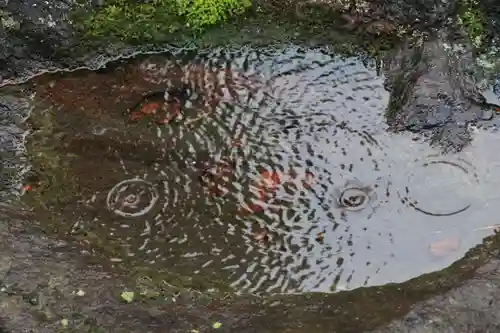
(470, 308)
(435, 88)
(41, 278)
(47, 286)
(38, 36)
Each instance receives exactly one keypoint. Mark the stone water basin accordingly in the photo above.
(279, 176)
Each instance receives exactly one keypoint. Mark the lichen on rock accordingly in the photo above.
(7, 22)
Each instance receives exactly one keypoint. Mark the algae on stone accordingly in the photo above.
(149, 21)
(472, 19)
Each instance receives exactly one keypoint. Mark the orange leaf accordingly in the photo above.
(308, 180)
(149, 108)
(445, 247)
(270, 180)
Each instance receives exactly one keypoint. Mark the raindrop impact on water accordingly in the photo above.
(270, 170)
(132, 198)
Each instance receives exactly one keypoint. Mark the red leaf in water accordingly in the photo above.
(308, 180)
(262, 195)
(171, 114)
(256, 208)
(150, 108)
(251, 209)
(163, 121)
(135, 116)
(27, 188)
(244, 211)
(444, 247)
(269, 180)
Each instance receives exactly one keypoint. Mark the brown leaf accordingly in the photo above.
(444, 247)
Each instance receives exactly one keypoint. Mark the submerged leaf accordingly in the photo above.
(445, 247)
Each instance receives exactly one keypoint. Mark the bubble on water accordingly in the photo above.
(132, 198)
(99, 130)
(354, 196)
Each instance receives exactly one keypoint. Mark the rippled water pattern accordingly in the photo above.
(281, 177)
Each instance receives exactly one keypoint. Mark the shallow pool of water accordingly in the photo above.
(271, 171)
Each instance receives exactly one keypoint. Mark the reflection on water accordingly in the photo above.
(270, 170)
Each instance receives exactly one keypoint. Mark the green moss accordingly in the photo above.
(154, 19)
(206, 24)
(472, 20)
(478, 22)
(201, 13)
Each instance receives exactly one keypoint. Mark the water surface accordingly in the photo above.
(279, 175)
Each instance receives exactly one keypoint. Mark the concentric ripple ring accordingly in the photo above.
(459, 166)
(132, 198)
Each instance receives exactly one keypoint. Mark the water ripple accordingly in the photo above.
(269, 170)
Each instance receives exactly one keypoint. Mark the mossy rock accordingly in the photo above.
(190, 23)
(153, 20)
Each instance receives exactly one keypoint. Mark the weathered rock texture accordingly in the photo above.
(38, 35)
(430, 90)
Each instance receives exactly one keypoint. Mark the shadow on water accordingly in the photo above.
(267, 171)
